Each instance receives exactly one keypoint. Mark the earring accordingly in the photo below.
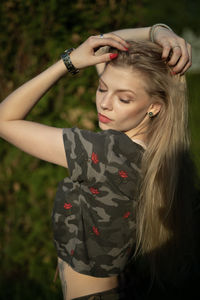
(150, 114)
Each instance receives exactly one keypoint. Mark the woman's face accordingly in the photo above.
(122, 101)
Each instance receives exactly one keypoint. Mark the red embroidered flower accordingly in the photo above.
(72, 252)
(94, 191)
(95, 230)
(95, 158)
(123, 174)
(126, 215)
(67, 205)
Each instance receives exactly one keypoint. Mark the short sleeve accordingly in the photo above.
(81, 147)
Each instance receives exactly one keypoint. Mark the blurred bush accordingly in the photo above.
(33, 35)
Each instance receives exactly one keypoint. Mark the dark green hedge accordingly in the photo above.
(32, 36)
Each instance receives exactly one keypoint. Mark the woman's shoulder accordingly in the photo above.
(109, 136)
(110, 147)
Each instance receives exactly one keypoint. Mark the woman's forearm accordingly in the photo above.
(134, 33)
(18, 104)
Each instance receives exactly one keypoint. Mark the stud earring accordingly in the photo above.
(150, 114)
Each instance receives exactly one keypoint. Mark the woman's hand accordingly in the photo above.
(181, 51)
(85, 54)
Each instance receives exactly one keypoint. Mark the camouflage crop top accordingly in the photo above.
(93, 215)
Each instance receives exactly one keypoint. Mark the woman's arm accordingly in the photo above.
(181, 50)
(39, 140)
(18, 104)
(134, 33)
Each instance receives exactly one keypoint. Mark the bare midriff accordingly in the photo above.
(75, 284)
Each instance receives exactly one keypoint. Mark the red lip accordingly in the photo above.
(103, 118)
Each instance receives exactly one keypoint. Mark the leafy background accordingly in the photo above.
(33, 34)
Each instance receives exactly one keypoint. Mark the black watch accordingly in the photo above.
(67, 61)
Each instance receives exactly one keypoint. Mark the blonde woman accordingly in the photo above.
(119, 207)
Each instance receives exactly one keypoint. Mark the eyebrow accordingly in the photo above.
(120, 90)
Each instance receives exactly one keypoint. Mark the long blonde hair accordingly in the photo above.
(164, 215)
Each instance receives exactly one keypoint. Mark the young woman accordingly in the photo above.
(120, 204)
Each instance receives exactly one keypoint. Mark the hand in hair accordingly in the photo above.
(175, 48)
(84, 55)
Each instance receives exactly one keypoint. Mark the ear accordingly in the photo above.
(155, 107)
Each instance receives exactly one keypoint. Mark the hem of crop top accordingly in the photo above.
(89, 273)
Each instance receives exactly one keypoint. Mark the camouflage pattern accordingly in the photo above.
(94, 211)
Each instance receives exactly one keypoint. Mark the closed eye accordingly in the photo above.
(104, 91)
(124, 101)
(101, 90)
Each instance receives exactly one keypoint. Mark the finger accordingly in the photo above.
(117, 38)
(123, 45)
(97, 42)
(177, 53)
(105, 58)
(183, 61)
(166, 49)
(188, 65)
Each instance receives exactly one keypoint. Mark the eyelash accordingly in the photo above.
(122, 100)
(100, 90)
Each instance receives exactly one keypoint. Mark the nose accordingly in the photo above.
(106, 102)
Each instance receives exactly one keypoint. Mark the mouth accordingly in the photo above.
(103, 119)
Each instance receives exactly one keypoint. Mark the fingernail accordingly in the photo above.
(173, 73)
(113, 55)
(126, 48)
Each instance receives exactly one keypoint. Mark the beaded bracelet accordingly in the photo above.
(152, 30)
(67, 61)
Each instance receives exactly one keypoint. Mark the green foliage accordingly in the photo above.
(194, 108)
(33, 35)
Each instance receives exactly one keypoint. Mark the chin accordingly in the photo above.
(104, 126)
